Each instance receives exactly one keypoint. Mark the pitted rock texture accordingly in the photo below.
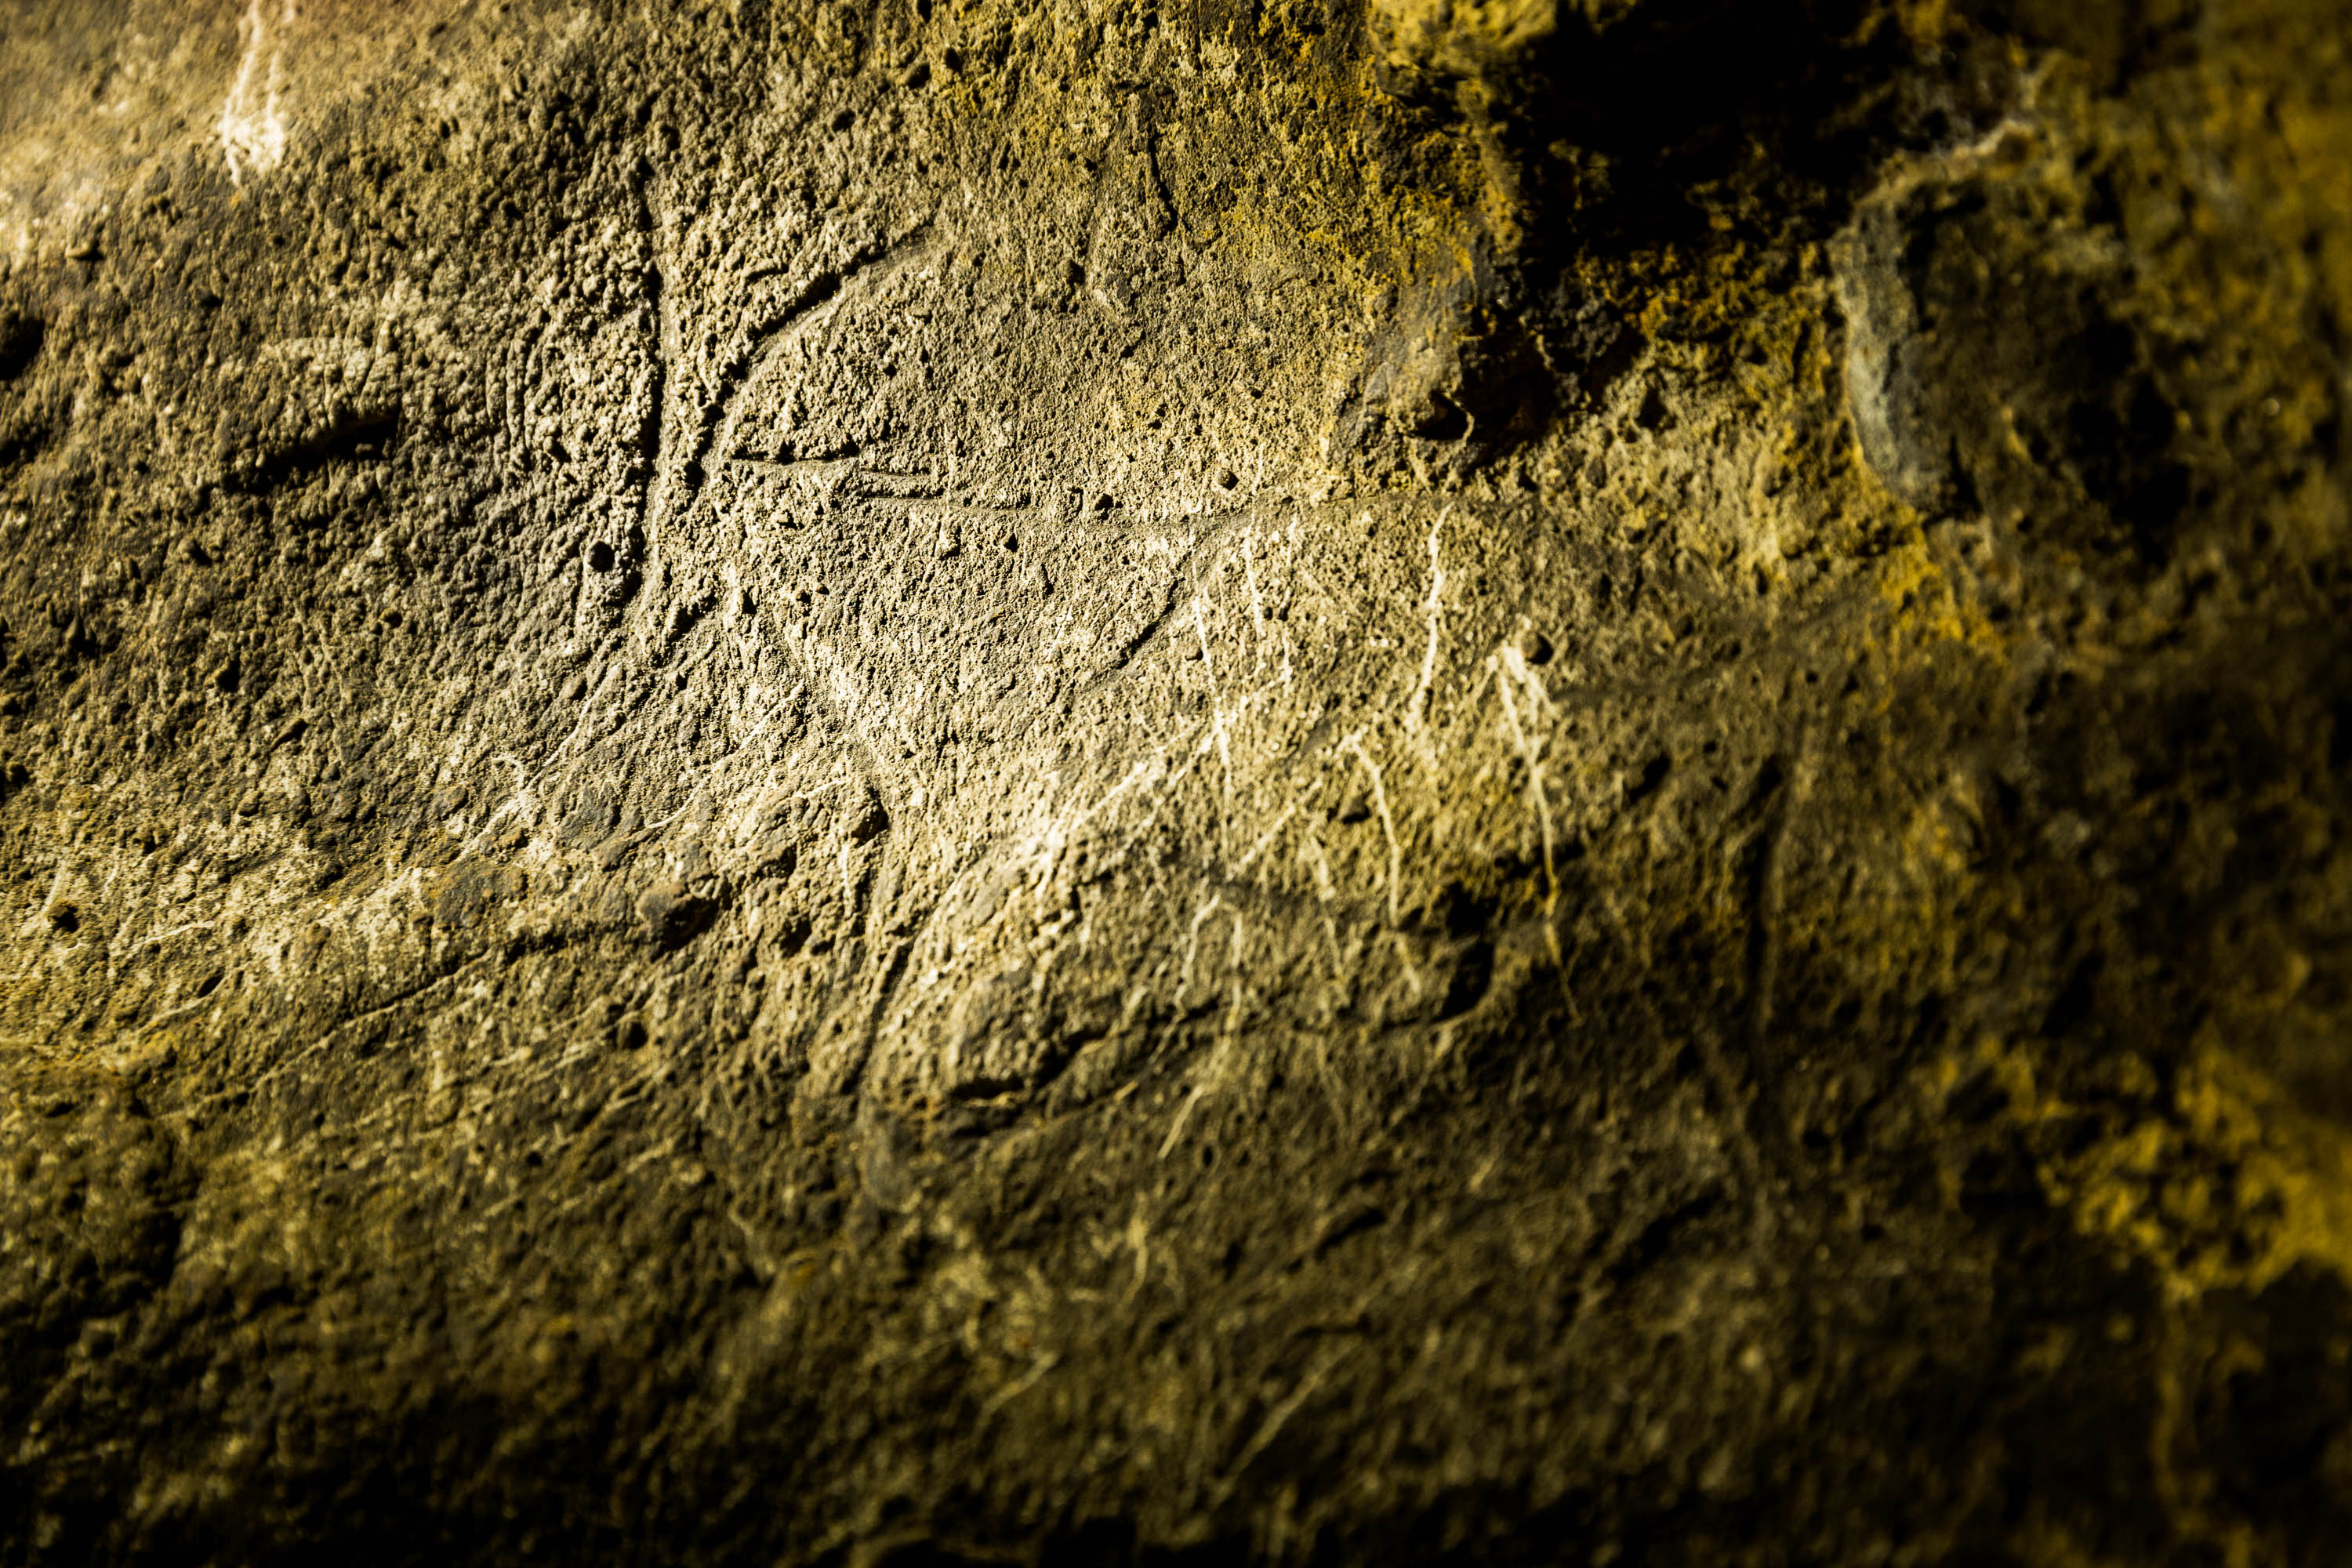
(1019, 781)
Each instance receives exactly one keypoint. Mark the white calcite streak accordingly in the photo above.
(252, 125)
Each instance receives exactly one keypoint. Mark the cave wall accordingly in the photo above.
(1032, 781)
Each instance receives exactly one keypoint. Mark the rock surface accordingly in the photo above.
(1008, 780)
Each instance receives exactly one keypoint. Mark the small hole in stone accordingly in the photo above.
(1445, 420)
(600, 557)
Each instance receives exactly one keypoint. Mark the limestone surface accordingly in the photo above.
(1344, 781)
